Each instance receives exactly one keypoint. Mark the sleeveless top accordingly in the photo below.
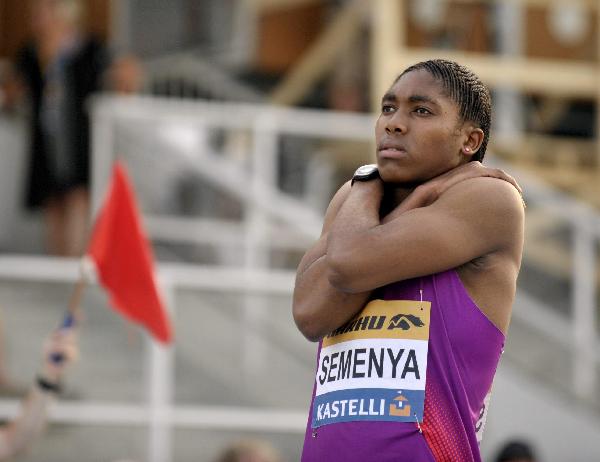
(408, 379)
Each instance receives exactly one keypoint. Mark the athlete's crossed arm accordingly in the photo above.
(473, 218)
(318, 307)
(444, 223)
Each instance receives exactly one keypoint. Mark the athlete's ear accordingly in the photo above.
(473, 140)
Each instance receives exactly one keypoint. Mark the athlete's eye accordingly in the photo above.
(387, 108)
(422, 111)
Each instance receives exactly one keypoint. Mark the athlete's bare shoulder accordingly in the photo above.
(494, 206)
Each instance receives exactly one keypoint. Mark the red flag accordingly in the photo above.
(123, 258)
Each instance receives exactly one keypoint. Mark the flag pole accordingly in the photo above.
(73, 314)
(74, 309)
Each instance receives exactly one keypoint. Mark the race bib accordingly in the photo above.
(373, 368)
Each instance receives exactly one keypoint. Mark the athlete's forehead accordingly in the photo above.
(417, 86)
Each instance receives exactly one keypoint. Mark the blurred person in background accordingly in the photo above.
(516, 451)
(410, 288)
(249, 451)
(58, 70)
(60, 350)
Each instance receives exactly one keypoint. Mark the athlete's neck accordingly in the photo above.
(394, 194)
(401, 193)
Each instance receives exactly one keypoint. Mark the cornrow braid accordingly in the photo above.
(466, 90)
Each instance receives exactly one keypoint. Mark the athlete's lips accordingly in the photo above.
(392, 150)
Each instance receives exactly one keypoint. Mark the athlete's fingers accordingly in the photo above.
(469, 171)
(476, 169)
(502, 175)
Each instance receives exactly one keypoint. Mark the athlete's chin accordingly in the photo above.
(398, 177)
(402, 184)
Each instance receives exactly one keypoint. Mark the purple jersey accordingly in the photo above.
(407, 379)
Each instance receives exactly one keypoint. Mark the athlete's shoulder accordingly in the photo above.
(490, 207)
(487, 194)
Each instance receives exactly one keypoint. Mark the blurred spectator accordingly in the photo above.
(59, 69)
(516, 451)
(60, 351)
(249, 451)
(125, 75)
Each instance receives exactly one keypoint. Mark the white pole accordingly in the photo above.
(262, 180)
(102, 150)
(584, 310)
(508, 103)
(161, 379)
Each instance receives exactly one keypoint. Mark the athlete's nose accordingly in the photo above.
(396, 124)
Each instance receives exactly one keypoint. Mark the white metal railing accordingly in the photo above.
(159, 413)
(256, 188)
(584, 225)
(269, 215)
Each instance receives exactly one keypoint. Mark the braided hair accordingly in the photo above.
(466, 90)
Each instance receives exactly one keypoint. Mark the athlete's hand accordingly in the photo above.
(430, 191)
(435, 187)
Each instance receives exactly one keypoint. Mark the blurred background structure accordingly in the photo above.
(251, 114)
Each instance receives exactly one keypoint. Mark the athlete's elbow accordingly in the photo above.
(307, 324)
(306, 316)
(342, 274)
(310, 331)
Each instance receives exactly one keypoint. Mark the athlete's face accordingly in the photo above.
(419, 133)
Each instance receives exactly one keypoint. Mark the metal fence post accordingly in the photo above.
(161, 381)
(102, 150)
(584, 309)
(263, 180)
